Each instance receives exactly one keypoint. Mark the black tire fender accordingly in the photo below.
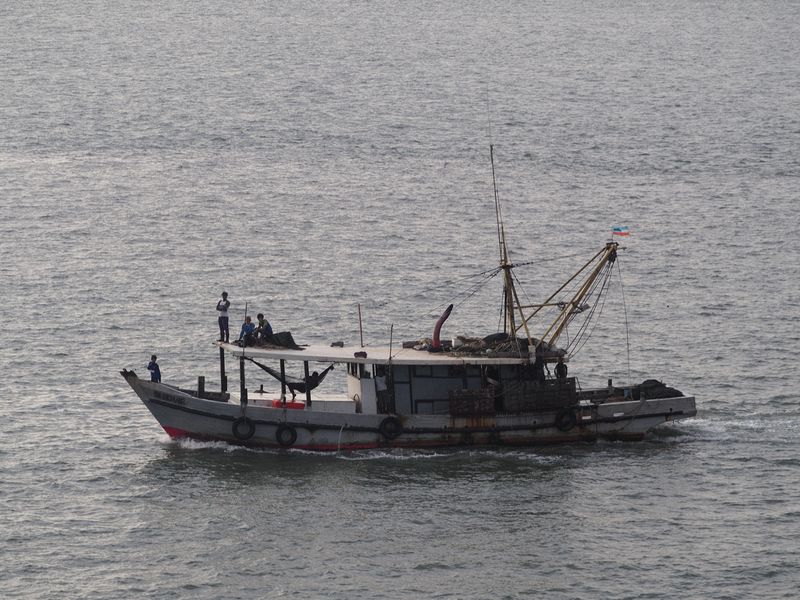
(286, 435)
(390, 428)
(566, 419)
(243, 429)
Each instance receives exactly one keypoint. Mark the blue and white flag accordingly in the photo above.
(620, 230)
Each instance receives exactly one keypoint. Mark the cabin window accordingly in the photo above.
(439, 371)
(423, 371)
(433, 407)
(402, 398)
(442, 371)
(510, 373)
(456, 371)
(401, 375)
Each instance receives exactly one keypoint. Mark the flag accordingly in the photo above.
(620, 230)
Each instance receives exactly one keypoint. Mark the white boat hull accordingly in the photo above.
(184, 415)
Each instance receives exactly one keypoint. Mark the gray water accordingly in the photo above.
(311, 157)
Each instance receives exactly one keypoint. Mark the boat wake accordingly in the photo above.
(396, 454)
(732, 430)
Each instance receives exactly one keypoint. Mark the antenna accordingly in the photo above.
(244, 320)
(501, 237)
(360, 326)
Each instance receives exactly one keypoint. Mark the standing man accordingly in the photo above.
(561, 369)
(155, 371)
(222, 307)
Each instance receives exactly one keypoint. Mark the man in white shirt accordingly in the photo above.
(222, 307)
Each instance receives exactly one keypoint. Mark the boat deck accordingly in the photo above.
(369, 355)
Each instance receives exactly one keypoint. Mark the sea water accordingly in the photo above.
(313, 158)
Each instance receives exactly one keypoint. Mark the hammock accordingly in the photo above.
(295, 384)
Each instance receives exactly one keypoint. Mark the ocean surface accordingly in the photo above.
(314, 157)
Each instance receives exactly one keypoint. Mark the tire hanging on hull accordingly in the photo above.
(243, 429)
(566, 420)
(286, 435)
(390, 428)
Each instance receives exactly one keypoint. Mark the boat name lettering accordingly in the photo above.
(170, 398)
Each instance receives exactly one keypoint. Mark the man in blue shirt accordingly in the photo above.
(246, 336)
(155, 371)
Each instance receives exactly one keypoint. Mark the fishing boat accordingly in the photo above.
(491, 391)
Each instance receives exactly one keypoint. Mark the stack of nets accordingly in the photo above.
(497, 344)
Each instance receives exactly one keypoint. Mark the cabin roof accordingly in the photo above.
(376, 355)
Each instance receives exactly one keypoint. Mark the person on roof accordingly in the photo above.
(263, 329)
(222, 308)
(247, 334)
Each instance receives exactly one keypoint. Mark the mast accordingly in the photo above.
(513, 308)
(590, 271)
(508, 283)
(511, 302)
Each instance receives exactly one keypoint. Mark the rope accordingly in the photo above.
(457, 300)
(583, 337)
(625, 311)
(545, 259)
(584, 334)
(485, 275)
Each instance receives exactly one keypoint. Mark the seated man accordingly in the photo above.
(247, 334)
(264, 329)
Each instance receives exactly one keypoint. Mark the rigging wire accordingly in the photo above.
(467, 293)
(488, 114)
(476, 287)
(544, 259)
(584, 333)
(501, 316)
(625, 312)
(570, 292)
(567, 292)
(459, 299)
(486, 275)
(602, 294)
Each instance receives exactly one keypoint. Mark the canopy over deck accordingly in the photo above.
(375, 355)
